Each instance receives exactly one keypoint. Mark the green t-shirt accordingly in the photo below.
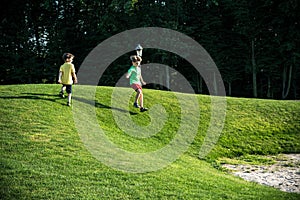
(135, 75)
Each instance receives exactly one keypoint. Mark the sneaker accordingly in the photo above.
(68, 104)
(136, 105)
(61, 94)
(143, 109)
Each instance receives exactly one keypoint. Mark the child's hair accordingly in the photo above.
(67, 56)
(135, 58)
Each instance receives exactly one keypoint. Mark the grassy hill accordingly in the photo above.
(43, 156)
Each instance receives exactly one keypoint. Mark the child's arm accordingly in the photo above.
(74, 77)
(128, 74)
(73, 74)
(59, 77)
(142, 81)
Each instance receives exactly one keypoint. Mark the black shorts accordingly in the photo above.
(68, 88)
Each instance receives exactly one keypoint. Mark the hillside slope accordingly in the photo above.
(43, 155)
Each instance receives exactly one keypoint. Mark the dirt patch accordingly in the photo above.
(284, 174)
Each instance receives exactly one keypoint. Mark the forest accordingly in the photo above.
(255, 44)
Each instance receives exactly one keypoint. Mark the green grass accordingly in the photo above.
(43, 156)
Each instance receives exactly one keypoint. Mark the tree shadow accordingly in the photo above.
(41, 94)
(100, 105)
(35, 96)
(55, 98)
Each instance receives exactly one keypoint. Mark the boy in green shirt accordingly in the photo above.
(136, 81)
(67, 75)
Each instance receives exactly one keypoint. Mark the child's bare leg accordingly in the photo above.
(142, 101)
(141, 98)
(137, 96)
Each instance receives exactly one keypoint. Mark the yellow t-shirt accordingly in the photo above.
(67, 69)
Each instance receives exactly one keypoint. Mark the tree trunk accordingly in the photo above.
(286, 89)
(269, 93)
(229, 88)
(167, 78)
(199, 83)
(254, 70)
(215, 84)
(161, 81)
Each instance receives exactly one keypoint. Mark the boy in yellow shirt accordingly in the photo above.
(67, 75)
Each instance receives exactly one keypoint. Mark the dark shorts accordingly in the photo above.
(136, 87)
(68, 88)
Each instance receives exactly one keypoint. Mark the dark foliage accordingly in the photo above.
(255, 44)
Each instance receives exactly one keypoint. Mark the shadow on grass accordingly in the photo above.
(35, 96)
(100, 105)
(56, 98)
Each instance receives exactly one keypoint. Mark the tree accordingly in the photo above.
(253, 43)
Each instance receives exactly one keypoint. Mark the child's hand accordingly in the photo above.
(59, 81)
(144, 83)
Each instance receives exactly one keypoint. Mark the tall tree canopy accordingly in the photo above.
(255, 44)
